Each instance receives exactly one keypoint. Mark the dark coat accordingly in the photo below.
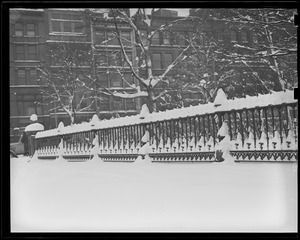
(24, 140)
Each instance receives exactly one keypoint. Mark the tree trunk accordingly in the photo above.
(72, 117)
(150, 100)
(278, 81)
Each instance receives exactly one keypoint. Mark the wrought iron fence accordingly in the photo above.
(260, 129)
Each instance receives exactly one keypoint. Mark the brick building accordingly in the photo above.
(27, 48)
(34, 33)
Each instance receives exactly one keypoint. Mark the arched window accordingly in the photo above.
(244, 36)
(233, 36)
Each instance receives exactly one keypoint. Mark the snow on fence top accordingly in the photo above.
(221, 105)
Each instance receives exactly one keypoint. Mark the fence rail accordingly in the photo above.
(260, 129)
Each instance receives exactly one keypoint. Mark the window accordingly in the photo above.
(112, 39)
(67, 16)
(20, 52)
(80, 99)
(77, 27)
(114, 59)
(130, 104)
(67, 26)
(129, 55)
(26, 76)
(115, 80)
(244, 37)
(20, 108)
(56, 26)
(126, 35)
(28, 105)
(233, 36)
(32, 76)
(219, 36)
(18, 29)
(155, 39)
(101, 59)
(30, 30)
(168, 59)
(181, 39)
(56, 16)
(166, 38)
(143, 36)
(66, 22)
(128, 77)
(99, 37)
(104, 103)
(21, 76)
(32, 52)
(156, 61)
(118, 104)
(103, 80)
(254, 38)
(30, 108)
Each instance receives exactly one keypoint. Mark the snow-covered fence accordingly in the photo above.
(261, 128)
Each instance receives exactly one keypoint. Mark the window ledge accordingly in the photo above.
(66, 34)
(33, 61)
(24, 86)
(120, 88)
(166, 45)
(25, 36)
(112, 46)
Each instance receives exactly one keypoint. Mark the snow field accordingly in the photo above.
(142, 196)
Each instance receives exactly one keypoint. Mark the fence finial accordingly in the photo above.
(144, 111)
(224, 146)
(220, 98)
(33, 118)
(223, 131)
(60, 126)
(146, 137)
(94, 120)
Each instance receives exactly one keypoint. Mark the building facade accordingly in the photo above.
(37, 34)
(27, 48)
(34, 34)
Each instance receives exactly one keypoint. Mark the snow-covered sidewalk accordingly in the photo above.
(193, 197)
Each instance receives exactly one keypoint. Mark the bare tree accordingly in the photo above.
(256, 63)
(275, 41)
(147, 85)
(62, 76)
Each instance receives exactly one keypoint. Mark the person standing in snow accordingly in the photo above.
(24, 140)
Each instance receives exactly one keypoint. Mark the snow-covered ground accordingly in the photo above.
(57, 196)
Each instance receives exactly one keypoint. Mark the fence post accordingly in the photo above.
(61, 144)
(144, 136)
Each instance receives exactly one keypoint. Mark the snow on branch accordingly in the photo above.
(87, 107)
(244, 47)
(139, 93)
